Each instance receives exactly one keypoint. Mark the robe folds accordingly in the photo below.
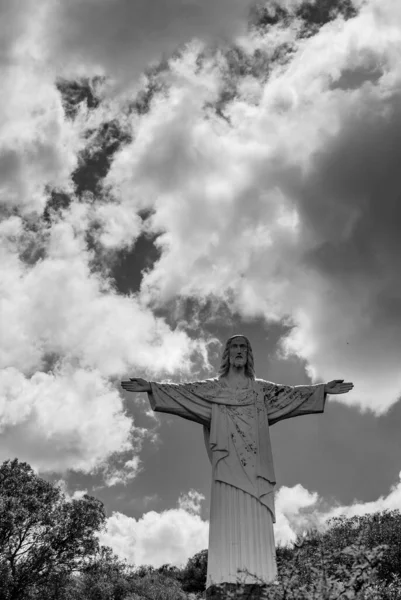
(236, 433)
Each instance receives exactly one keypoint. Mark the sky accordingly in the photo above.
(172, 175)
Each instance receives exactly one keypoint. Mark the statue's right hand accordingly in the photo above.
(136, 384)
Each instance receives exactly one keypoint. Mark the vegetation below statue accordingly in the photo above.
(49, 550)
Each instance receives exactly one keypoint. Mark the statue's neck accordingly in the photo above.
(236, 373)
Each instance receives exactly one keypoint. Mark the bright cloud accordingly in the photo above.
(58, 307)
(289, 199)
(38, 146)
(174, 535)
(275, 192)
(59, 421)
(171, 536)
(299, 510)
(65, 333)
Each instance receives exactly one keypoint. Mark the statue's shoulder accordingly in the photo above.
(264, 385)
(211, 383)
(207, 389)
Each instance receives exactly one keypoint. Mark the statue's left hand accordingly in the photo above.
(337, 386)
(136, 384)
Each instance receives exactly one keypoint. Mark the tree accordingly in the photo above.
(373, 530)
(170, 571)
(104, 577)
(43, 536)
(373, 540)
(193, 577)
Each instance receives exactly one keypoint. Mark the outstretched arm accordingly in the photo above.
(187, 400)
(285, 402)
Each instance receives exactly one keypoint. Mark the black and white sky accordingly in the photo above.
(174, 172)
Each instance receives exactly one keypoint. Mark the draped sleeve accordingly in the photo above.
(192, 401)
(285, 401)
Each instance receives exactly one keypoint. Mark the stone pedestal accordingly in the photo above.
(232, 591)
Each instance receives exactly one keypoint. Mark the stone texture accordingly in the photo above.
(241, 538)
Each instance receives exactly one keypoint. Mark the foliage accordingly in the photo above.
(43, 537)
(358, 557)
(326, 578)
(369, 531)
(379, 528)
(193, 576)
(104, 576)
(156, 586)
(49, 551)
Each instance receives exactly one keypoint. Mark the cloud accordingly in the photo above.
(38, 146)
(290, 198)
(63, 487)
(13, 24)
(59, 421)
(115, 229)
(58, 307)
(299, 510)
(171, 536)
(129, 471)
(121, 39)
(66, 334)
(275, 193)
(191, 502)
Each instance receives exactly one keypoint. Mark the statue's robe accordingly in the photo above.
(236, 431)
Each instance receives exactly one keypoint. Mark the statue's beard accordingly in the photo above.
(237, 359)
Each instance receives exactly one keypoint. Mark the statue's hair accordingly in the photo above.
(225, 358)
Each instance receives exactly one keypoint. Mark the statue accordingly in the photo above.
(236, 410)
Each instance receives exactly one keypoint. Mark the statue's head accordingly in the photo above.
(226, 358)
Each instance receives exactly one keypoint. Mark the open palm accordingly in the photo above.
(338, 386)
(136, 384)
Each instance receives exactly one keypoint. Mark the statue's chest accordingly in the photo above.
(242, 426)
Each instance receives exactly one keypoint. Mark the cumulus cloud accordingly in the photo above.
(69, 420)
(191, 502)
(65, 334)
(275, 193)
(58, 307)
(298, 510)
(171, 536)
(125, 37)
(290, 198)
(129, 471)
(38, 146)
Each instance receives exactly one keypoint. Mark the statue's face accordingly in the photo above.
(238, 352)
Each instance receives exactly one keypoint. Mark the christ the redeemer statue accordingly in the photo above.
(236, 410)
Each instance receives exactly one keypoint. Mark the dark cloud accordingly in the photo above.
(124, 37)
(352, 202)
(13, 22)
